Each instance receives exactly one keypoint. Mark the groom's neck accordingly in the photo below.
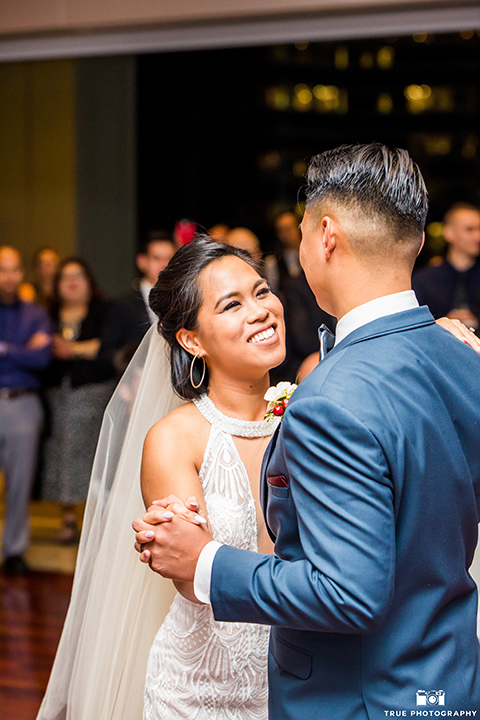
(361, 286)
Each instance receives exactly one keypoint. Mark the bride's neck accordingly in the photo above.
(241, 399)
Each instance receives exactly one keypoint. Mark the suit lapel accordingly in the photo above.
(263, 473)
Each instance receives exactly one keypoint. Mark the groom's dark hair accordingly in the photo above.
(380, 188)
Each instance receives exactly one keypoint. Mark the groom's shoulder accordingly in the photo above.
(371, 363)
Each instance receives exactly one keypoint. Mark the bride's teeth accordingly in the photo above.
(263, 335)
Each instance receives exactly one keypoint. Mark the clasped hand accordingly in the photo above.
(175, 534)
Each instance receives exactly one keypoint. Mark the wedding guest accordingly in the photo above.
(156, 253)
(45, 265)
(25, 340)
(284, 263)
(219, 232)
(130, 315)
(453, 287)
(79, 384)
(245, 239)
(303, 317)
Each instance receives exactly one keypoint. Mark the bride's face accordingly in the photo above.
(240, 326)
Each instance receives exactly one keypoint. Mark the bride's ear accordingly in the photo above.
(189, 341)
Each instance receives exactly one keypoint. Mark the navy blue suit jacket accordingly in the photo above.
(375, 527)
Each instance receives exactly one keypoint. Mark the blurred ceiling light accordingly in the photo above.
(320, 92)
(341, 57)
(385, 57)
(435, 229)
(413, 92)
(303, 93)
(384, 104)
(438, 145)
(269, 161)
(299, 168)
(420, 37)
(277, 98)
(420, 98)
(303, 97)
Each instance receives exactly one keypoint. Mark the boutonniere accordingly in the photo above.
(278, 397)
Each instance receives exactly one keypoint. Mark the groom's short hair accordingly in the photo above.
(380, 190)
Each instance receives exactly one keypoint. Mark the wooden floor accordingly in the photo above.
(32, 611)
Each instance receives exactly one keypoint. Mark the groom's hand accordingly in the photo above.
(161, 511)
(169, 544)
(175, 547)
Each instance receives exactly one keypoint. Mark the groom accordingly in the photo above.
(371, 488)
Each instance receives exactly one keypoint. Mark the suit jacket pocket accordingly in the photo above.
(291, 659)
(279, 492)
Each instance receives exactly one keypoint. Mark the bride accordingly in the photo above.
(213, 304)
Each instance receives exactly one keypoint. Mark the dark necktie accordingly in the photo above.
(327, 340)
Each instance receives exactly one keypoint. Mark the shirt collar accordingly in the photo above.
(145, 288)
(377, 308)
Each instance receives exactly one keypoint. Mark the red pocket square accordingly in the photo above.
(277, 481)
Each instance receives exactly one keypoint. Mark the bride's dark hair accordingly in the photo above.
(176, 300)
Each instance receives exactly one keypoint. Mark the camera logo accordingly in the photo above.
(430, 697)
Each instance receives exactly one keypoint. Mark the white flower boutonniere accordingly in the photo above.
(278, 397)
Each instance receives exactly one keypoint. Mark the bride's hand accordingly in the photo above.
(161, 511)
(188, 510)
(460, 331)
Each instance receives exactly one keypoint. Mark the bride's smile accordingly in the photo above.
(263, 336)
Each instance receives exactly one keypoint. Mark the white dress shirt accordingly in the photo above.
(145, 288)
(356, 318)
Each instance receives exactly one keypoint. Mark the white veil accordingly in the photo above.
(117, 603)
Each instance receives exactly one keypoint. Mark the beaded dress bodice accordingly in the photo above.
(199, 668)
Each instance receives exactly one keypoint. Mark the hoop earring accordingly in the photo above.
(191, 372)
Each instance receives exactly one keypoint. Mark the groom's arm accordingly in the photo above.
(339, 483)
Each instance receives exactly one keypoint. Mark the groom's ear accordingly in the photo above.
(189, 341)
(421, 245)
(330, 230)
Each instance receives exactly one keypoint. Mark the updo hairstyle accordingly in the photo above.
(176, 300)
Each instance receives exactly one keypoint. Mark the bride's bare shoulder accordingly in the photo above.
(185, 427)
(173, 453)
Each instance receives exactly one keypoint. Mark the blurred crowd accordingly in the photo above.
(63, 346)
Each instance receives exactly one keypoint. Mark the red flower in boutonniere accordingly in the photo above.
(278, 397)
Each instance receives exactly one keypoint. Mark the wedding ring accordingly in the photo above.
(471, 329)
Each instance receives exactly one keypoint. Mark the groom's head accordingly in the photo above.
(366, 206)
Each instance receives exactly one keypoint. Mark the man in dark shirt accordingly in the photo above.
(25, 339)
(284, 264)
(130, 316)
(453, 287)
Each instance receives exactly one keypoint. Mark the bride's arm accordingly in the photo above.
(169, 468)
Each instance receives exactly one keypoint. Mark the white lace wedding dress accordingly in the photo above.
(198, 668)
